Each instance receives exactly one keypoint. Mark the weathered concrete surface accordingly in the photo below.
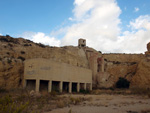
(46, 69)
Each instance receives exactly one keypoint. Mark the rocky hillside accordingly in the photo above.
(13, 52)
(119, 65)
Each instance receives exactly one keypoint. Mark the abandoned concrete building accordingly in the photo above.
(47, 74)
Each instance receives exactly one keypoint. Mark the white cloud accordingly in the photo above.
(141, 22)
(0, 34)
(70, 19)
(40, 37)
(136, 40)
(136, 9)
(98, 22)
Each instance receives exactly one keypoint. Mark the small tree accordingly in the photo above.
(122, 83)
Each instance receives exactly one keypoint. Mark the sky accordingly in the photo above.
(109, 26)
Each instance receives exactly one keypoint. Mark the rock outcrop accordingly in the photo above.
(13, 52)
(118, 65)
(141, 79)
(106, 68)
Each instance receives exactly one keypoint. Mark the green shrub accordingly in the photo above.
(8, 105)
(122, 83)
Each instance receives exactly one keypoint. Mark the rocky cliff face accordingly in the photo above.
(118, 65)
(141, 79)
(13, 52)
(142, 75)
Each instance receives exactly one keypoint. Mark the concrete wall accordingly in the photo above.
(45, 69)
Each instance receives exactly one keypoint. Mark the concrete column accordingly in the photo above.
(24, 83)
(78, 87)
(102, 65)
(91, 86)
(60, 86)
(37, 85)
(84, 86)
(49, 86)
(70, 87)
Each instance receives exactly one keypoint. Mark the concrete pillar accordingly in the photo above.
(78, 87)
(49, 86)
(37, 85)
(24, 83)
(102, 65)
(70, 87)
(91, 86)
(60, 86)
(84, 86)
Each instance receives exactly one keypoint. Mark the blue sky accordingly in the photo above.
(107, 25)
(18, 16)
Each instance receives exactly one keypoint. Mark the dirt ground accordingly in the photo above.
(107, 104)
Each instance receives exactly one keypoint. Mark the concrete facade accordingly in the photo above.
(81, 42)
(45, 73)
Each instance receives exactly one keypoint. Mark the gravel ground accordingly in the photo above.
(108, 104)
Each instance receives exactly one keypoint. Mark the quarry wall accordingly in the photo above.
(14, 51)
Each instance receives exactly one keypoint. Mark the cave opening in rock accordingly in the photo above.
(122, 83)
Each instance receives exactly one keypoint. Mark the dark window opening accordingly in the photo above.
(81, 86)
(30, 84)
(65, 86)
(88, 86)
(82, 45)
(44, 85)
(74, 87)
(55, 86)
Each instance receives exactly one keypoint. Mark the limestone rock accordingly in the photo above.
(13, 52)
(105, 80)
(142, 77)
(148, 47)
(34, 94)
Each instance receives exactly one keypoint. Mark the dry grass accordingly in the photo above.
(60, 104)
(45, 102)
(145, 111)
(132, 91)
(49, 101)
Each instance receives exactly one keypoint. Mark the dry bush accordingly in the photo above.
(141, 91)
(76, 101)
(60, 104)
